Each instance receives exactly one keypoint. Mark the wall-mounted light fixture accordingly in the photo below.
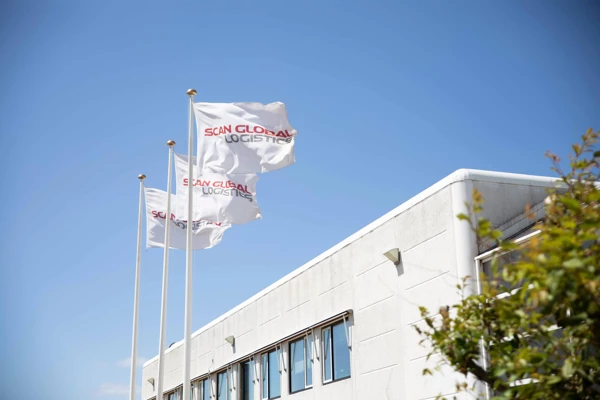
(230, 340)
(393, 255)
(151, 380)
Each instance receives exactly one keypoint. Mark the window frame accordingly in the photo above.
(174, 395)
(202, 388)
(192, 390)
(309, 360)
(497, 251)
(252, 373)
(227, 382)
(265, 356)
(331, 363)
(324, 354)
(305, 362)
(480, 260)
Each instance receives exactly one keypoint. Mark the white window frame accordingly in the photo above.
(264, 375)
(174, 395)
(347, 332)
(228, 395)
(192, 391)
(254, 364)
(201, 388)
(488, 255)
(324, 352)
(265, 355)
(305, 361)
(479, 261)
(315, 347)
(230, 379)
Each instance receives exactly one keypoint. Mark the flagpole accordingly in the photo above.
(165, 282)
(187, 326)
(136, 295)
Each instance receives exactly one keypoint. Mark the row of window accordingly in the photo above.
(336, 365)
(501, 260)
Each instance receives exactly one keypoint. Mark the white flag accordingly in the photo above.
(243, 137)
(206, 234)
(217, 197)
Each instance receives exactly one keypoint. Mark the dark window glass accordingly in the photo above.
(247, 382)
(501, 262)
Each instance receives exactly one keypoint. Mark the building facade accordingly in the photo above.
(342, 325)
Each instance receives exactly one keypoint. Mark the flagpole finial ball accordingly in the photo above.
(141, 177)
(171, 143)
(191, 92)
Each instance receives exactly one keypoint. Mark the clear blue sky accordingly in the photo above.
(388, 97)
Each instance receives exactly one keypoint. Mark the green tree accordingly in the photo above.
(547, 333)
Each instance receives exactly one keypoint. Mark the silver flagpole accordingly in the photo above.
(165, 281)
(187, 326)
(136, 294)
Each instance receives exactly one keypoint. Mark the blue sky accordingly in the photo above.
(388, 97)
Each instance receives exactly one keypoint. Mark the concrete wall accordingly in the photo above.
(387, 361)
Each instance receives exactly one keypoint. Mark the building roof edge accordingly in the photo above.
(459, 175)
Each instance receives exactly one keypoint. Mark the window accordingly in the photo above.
(502, 261)
(336, 353)
(223, 386)
(498, 260)
(192, 391)
(204, 389)
(173, 396)
(247, 382)
(271, 379)
(301, 364)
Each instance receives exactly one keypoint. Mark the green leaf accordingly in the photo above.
(571, 204)
(554, 379)
(573, 263)
(536, 359)
(567, 369)
(463, 217)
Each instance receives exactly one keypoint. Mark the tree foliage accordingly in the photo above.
(537, 319)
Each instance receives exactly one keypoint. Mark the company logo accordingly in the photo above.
(222, 188)
(249, 134)
(181, 223)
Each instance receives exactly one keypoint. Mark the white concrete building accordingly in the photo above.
(341, 326)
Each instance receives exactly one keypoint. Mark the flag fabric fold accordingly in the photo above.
(206, 234)
(217, 197)
(243, 137)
